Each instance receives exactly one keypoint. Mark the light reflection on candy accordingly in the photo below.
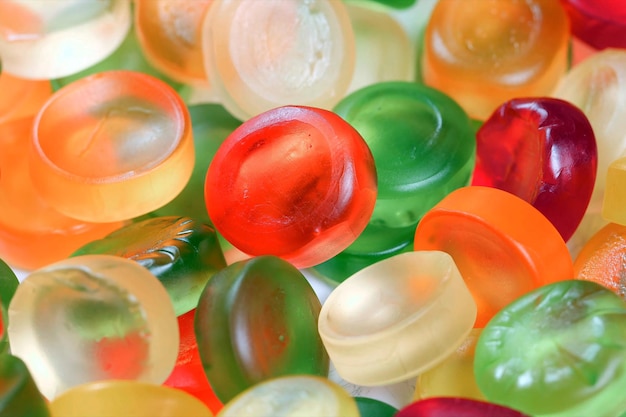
(91, 318)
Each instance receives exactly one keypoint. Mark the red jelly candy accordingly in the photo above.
(599, 23)
(295, 182)
(456, 407)
(544, 151)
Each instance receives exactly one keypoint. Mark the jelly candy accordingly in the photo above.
(293, 52)
(483, 53)
(126, 398)
(456, 407)
(370, 407)
(292, 396)
(599, 23)
(90, 318)
(8, 286)
(615, 193)
(256, 320)
(112, 146)
(559, 350)
(544, 151)
(503, 246)
(181, 252)
(396, 318)
(21, 98)
(423, 147)
(295, 182)
(19, 395)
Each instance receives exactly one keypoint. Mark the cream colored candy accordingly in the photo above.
(396, 318)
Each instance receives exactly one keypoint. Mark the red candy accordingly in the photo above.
(295, 182)
(599, 23)
(456, 407)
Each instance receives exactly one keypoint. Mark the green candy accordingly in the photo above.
(424, 147)
(370, 407)
(19, 395)
(257, 320)
(8, 286)
(557, 351)
(181, 252)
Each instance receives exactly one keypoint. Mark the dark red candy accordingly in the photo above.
(456, 407)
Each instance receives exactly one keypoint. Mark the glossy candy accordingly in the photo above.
(181, 252)
(256, 320)
(502, 245)
(456, 407)
(112, 146)
(544, 151)
(396, 318)
(601, 259)
(68, 36)
(423, 147)
(33, 234)
(91, 318)
(295, 182)
(292, 396)
(170, 34)
(292, 52)
(126, 398)
(572, 338)
(370, 407)
(19, 395)
(483, 53)
(599, 23)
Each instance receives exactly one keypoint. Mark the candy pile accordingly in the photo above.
(312, 207)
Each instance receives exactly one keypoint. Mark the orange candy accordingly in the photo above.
(502, 245)
(20, 97)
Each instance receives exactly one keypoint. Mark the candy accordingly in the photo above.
(8, 286)
(369, 407)
(291, 52)
(257, 320)
(91, 318)
(423, 147)
(396, 318)
(19, 395)
(128, 398)
(292, 396)
(20, 97)
(615, 193)
(456, 407)
(483, 53)
(502, 245)
(544, 151)
(68, 36)
(181, 252)
(111, 147)
(599, 23)
(295, 182)
(559, 350)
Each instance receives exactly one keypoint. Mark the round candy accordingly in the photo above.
(396, 318)
(559, 350)
(19, 395)
(291, 52)
(170, 35)
(181, 252)
(292, 396)
(544, 151)
(91, 318)
(601, 259)
(295, 182)
(456, 407)
(483, 53)
(33, 234)
(112, 146)
(40, 39)
(599, 23)
(370, 407)
(256, 320)
(423, 147)
(503, 246)
(126, 398)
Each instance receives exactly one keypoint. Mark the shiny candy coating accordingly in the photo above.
(180, 251)
(544, 151)
(91, 318)
(423, 146)
(396, 318)
(294, 182)
(572, 336)
(502, 245)
(257, 320)
(483, 53)
(104, 138)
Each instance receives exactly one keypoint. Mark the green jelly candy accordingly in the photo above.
(370, 407)
(424, 147)
(8, 286)
(257, 320)
(557, 351)
(181, 252)
(19, 395)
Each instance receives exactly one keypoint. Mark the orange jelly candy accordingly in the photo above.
(483, 53)
(112, 146)
(502, 245)
(20, 97)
